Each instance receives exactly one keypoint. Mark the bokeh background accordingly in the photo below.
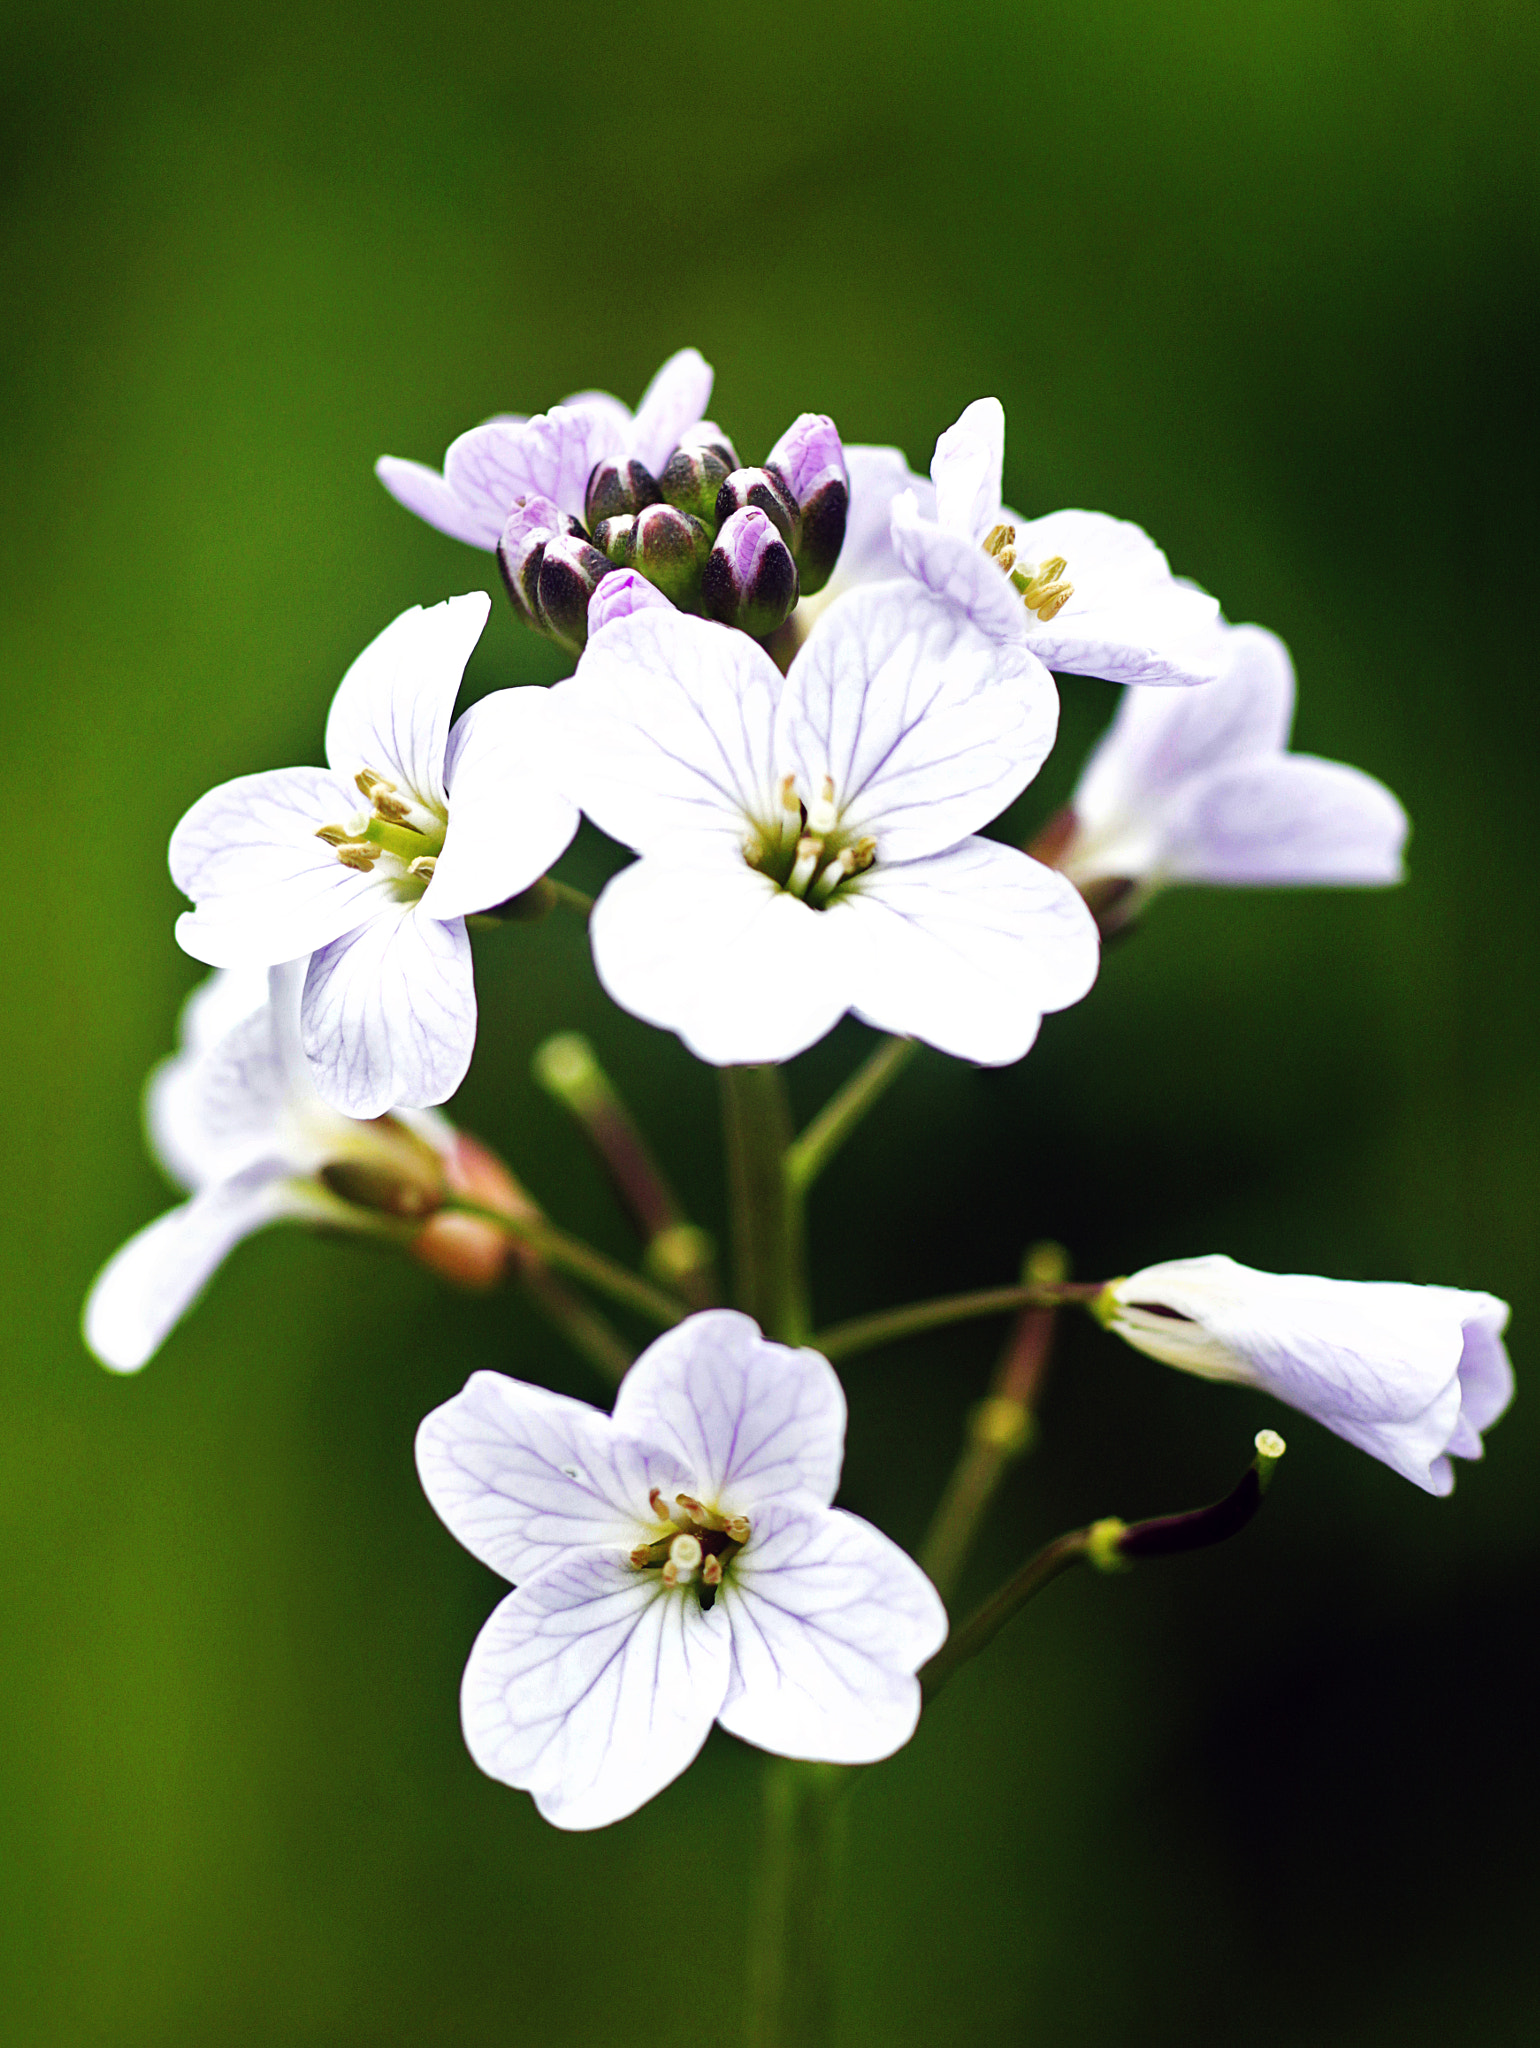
(1257, 273)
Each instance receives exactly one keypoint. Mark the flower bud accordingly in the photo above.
(809, 460)
(620, 594)
(694, 475)
(751, 579)
(767, 493)
(571, 570)
(665, 545)
(616, 488)
(532, 525)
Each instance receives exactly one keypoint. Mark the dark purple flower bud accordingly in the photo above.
(571, 570)
(751, 579)
(765, 491)
(810, 460)
(532, 524)
(616, 488)
(696, 472)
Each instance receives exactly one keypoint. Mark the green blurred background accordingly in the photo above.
(1257, 273)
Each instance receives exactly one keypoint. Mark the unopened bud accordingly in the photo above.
(470, 1251)
(616, 488)
(692, 478)
(571, 570)
(378, 1186)
(665, 545)
(751, 579)
(809, 459)
(620, 594)
(532, 525)
(765, 492)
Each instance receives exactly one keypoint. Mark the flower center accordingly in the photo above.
(696, 1547)
(804, 852)
(1043, 589)
(396, 830)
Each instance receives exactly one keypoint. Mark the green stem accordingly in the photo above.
(845, 1339)
(569, 898)
(769, 1273)
(811, 1152)
(791, 1988)
(570, 1254)
(585, 1330)
(986, 1622)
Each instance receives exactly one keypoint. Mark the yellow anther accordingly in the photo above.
(998, 538)
(711, 1571)
(361, 857)
(736, 1528)
(423, 867)
(368, 782)
(789, 798)
(641, 1557)
(659, 1505)
(391, 808)
(754, 851)
(334, 835)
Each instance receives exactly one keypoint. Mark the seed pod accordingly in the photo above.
(751, 578)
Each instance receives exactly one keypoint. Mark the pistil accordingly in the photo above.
(395, 825)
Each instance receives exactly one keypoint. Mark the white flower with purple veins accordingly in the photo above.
(372, 864)
(1090, 595)
(1199, 786)
(676, 1563)
(1413, 1375)
(807, 844)
(493, 468)
(233, 1118)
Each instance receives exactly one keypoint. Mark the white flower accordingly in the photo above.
(288, 863)
(1412, 1375)
(233, 1117)
(677, 1563)
(1090, 595)
(1198, 786)
(491, 469)
(805, 844)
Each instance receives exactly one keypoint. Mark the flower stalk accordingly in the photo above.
(811, 1151)
(569, 1254)
(865, 1333)
(769, 1250)
(790, 1981)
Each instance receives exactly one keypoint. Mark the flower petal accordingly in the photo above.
(749, 1420)
(967, 949)
(550, 455)
(1285, 818)
(1161, 738)
(926, 726)
(1130, 619)
(145, 1289)
(830, 1621)
(676, 399)
(210, 1114)
(474, 518)
(667, 728)
(266, 888)
(507, 819)
(389, 1013)
(743, 972)
(618, 595)
(966, 470)
(519, 1474)
(592, 1687)
(392, 709)
(957, 570)
(877, 477)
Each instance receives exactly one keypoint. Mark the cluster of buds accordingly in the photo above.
(740, 545)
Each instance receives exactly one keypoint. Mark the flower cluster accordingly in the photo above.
(805, 692)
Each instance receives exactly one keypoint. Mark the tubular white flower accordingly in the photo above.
(1198, 786)
(806, 845)
(1089, 595)
(677, 1562)
(233, 1117)
(371, 864)
(492, 468)
(1413, 1375)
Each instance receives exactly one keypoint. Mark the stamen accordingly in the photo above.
(754, 851)
(659, 1505)
(368, 783)
(703, 1517)
(999, 538)
(335, 835)
(423, 867)
(392, 808)
(822, 816)
(361, 857)
(711, 1570)
(736, 1528)
(641, 1557)
(1042, 590)
(809, 854)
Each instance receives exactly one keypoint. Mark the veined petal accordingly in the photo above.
(966, 470)
(519, 1474)
(392, 709)
(266, 888)
(213, 1113)
(1129, 620)
(1161, 738)
(957, 570)
(748, 1420)
(877, 477)
(474, 518)
(618, 595)
(926, 726)
(830, 1621)
(550, 455)
(389, 1013)
(966, 949)
(1285, 818)
(507, 819)
(708, 948)
(667, 728)
(145, 1289)
(676, 399)
(592, 1687)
